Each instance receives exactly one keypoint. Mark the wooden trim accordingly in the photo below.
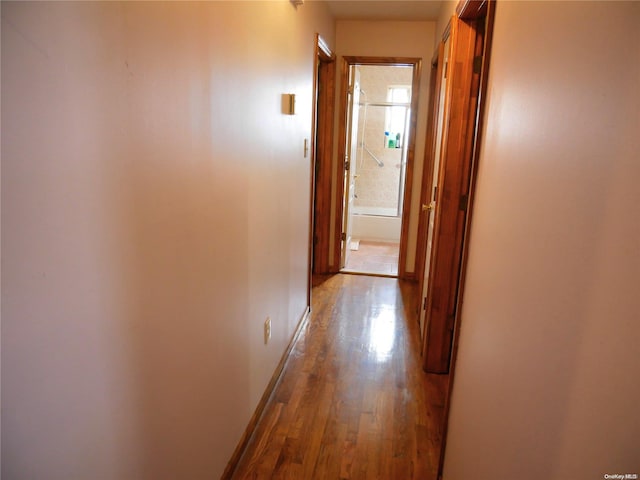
(484, 49)
(452, 187)
(347, 61)
(487, 28)
(429, 161)
(321, 151)
(383, 61)
(408, 176)
(312, 169)
(410, 276)
(368, 274)
(342, 138)
(257, 414)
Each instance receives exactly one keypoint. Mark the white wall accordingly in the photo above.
(376, 228)
(547, 375)
(390, 39)
(155, 209)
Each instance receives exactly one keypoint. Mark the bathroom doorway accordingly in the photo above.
(378, 146)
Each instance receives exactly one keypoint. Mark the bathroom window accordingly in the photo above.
(396, 115)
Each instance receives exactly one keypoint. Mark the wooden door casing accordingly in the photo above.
(416, 63)
(322, 149)
(350, 163)
(452, 194)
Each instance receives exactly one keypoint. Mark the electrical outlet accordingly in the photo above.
(267, 330)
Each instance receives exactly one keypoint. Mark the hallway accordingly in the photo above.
(353, 401)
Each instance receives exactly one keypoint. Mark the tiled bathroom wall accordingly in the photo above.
(377, 187)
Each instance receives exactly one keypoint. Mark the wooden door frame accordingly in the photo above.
(452, 203)
(435, 85)
(347, 62)
(324, 79)
(353, 115)
(449, 212)
(481, 13)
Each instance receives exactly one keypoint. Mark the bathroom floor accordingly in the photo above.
(373, 257)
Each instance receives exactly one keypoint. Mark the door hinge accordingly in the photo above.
(424, 304)
(477, 64)
(464, 202)
(346, 165)
(446, 66)
(350, 90)
(344, 236)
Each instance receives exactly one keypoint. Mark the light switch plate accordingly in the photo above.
(267, 330)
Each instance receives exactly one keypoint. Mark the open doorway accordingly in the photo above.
(378, 146)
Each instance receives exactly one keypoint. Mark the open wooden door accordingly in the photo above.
(350, 163)
(452, 193)
(432, 165)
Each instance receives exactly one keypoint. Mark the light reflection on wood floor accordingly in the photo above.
(353, 401)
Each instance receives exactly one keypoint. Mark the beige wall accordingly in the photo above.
(547, 379)
(447, 10)
(375, 228)
(392, 39)
(155, 209)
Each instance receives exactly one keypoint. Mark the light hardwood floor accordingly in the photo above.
(353, 401)
(374, 257)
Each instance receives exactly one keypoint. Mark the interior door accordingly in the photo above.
(353, 100)
(322, 149)
(430, 207)
(452, 195)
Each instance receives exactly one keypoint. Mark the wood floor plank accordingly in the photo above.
(353, 401)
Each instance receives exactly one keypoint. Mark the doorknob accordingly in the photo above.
(426, 208)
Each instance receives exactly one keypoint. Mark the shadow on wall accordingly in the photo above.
(188, 315)
(188, 263)
(124, 248)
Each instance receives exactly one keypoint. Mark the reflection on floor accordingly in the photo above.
(352, 401)
(373, 257)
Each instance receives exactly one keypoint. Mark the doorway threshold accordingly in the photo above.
(370, 274)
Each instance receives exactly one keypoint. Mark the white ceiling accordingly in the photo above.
(385, 9)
